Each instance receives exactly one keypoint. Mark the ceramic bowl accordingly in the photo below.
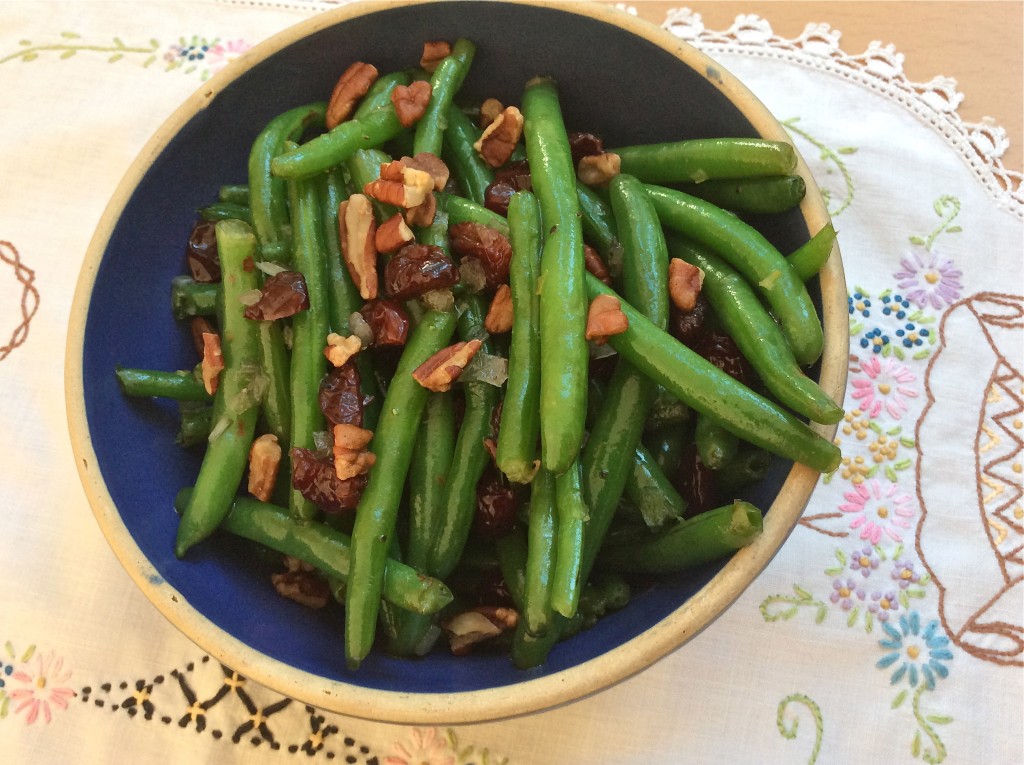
(619, 76)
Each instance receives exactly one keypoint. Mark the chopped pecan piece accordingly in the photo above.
(356, 229)
(302, 584)
(199, 326)
(499, 139)
(411, 101)
(351, 86)
(605, 318)
(684, 283)
(489, 246)
(264, 461)
(350, 455)
(481, 623)
(340, 349)
(434, 52)
(213, 361)
(423, 213)
(443, 368)
(594, 264)
(499, 314)
(400, 185)
(419, 268)
(387, 320)
(598, 169)
(392, 234)
(283, 294)
(431, 164)
(489, 111)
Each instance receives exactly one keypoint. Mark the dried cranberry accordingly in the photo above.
(721, 350)
(602, 367)
(490, 247)
(201, 252)
(492, 589)
(688, 326)
(200, 326)
(341, 400)
(495, 505)
(595, 264)
(513, 177)
(283, 294)
(315, 479)
(388, 321)
(695, 482)
(419, 268)
(584, 145)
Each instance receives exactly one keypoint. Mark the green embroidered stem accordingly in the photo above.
(790, 732)
(67, 50)
(803, 598)
(829, 155)
(925, 724)
(947, 208)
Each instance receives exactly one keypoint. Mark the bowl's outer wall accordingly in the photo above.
(620, 86)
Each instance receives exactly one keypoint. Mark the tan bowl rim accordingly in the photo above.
(533, 693)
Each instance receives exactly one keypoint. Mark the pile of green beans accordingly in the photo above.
(592, 463)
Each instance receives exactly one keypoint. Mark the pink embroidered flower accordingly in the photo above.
(426, 747)
(885, 385)
(929, 278)
(223, 53)
(876, 510)
(41, 690)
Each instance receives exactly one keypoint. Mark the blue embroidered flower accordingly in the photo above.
(911, 335)
(874, 340)
(918, 654)
(859, 303)
(895, 305)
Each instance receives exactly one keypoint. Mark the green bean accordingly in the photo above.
(327, 550)
(334, 147)
(666, 447)
(379, 94)
(470, 457)
(276, 362)
(428, 473)
(226, 211)
(191, 298)
(364, 168)
(563, 299)
(599, 226)
(811, 257)
(666, 412)
(540, 554)
(473, 174)
(343, 297)
(194, 422)
(771, 194)
(572, 517)
(268, 195)
(462, 210)
(758, 337)
(444, 84)
(651, 492)
(743, 247)
(749, 465)
(715, 445)
(237, 193)
(701, 539)
(511, 550)
(378, 507)
(707, 389)
(517, 434)
(227, 454)
(180, 386)
(645, 253)
(705, 158)
(309, 329)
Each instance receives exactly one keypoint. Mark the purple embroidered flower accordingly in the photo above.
(876, 510)
(929, 279)
(843, 593)
(903, 573)
(917, 653)
(885, 385)
(864, 560)
(883, 603)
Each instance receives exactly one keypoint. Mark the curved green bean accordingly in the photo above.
(379, 94)
(428, 474)
(651, 492)
(191, 298)
(771, 194)
(462, 210)
(599, 226)
(566, 579)
(743, 247)
(715, 445)
(444, 84)
(811, 257)
(541, 552)
(226, 211)
(701, 159)
(180, 386)
(473, 174)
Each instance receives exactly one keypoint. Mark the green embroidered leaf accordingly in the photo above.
(922, 354)
(804, 594)
(154, 42)
(847, 150)
(924, 580)
(834, 571)
(897, 551)
(29, 652)
(903, 464)
(907, 441)
(841, 556)
(869, 622)
(118, 42)
(900, 698)
(115, 58)
(954, 230)
(904, 599)
(939, 719)
(872, 471)
(914, 593)
(916, 240)
(148, 62)
(822, 613)
(852, 619)
(9, 647)
(70, 35)
(891, 474)
(30, 56)
(24, 42)
(4, 704)
(915, 746)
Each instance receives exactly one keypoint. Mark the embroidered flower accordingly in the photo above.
(875, 340)
(844, 592)
(914, 653)
(896, 306)
(864, 560)
(39, 691)
(426, 747)
(221, 54)
(929, 279)
(904, 574)
(885, 385)
(859, 304)
(883, 603)
(876, 509)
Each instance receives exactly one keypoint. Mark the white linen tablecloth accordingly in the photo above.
(890, 628)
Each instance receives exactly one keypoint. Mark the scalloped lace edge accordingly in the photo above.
(880, 68)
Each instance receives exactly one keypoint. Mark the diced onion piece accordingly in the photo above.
(484, 367)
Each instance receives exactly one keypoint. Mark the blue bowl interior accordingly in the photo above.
(619, 86)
